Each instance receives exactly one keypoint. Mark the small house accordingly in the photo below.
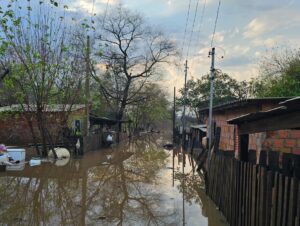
(282, 139)
(15, 129)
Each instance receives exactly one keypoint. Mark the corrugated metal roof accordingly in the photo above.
(48, 108)
(291, 102)
(198, 126)
(287, 106)
(94, 119)
(257, 115)
(201, 127)
(243, 102)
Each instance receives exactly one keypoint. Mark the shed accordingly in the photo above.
(224, 112)
(14, 127)
(285, 117)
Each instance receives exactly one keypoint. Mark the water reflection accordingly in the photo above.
(191, 186)
(130, 185)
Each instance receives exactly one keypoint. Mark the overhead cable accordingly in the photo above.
(186, 24)
(192, 31)
(215, 26)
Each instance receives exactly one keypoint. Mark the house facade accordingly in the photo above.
(15, 129)
(287, 141)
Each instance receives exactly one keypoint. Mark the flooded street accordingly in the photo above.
(138, 183)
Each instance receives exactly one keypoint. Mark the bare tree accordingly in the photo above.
(131, 54)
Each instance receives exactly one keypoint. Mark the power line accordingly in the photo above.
(105, 13)
(93, 7)
(186, 24)
(216, 21)
(93, 14)
(201, 19)
(192, 31)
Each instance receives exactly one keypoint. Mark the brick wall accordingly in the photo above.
(14, 128)
(287, 141)
(227, 140)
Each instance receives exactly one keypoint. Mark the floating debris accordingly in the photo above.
(101, 218)
(60, 152)
(35, 162)
(168, 146)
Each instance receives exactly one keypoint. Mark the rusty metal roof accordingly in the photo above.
(48, 108)
(97, 120)
(286, 106)
(245, 102)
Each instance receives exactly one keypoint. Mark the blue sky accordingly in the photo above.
(245, 31)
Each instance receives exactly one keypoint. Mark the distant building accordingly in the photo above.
(283, 140)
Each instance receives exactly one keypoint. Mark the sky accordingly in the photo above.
(246, 31)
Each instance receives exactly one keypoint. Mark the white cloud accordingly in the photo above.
(255, 28)
(218, 38)
(258, 54)
(89, 6)
(268, 42)
(242, 72)
(277, 19)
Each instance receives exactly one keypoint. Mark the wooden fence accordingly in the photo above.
(253, 195)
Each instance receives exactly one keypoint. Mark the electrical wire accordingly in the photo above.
(105, 13)
(186, 24)
(93, 7)
(192, 31)
(215, 26)
(201, 20)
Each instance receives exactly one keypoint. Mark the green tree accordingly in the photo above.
(155, 108)
(45, 59)
(226, 89)
(279, 74)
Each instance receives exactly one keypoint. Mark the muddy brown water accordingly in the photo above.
(137, 183)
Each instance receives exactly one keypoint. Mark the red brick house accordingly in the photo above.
(284, 140)
(14, 127)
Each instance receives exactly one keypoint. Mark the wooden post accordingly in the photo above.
(174, 116)
(87, 87)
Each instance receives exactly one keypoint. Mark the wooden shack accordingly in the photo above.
(281, 126)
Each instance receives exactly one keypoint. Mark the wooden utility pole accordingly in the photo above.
(184, 103)
(212, 77)
(87, 87)
(174, 116)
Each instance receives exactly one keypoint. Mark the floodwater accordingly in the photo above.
(138, 183)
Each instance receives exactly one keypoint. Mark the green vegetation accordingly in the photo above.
(279, 75)
(154, 108)
(45, 59)
(226, 89)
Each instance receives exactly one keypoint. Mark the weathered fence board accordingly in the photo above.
(254, 195)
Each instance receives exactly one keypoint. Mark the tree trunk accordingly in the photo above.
(122, 108)
(41, 126)
(34, 138)
(2, 76)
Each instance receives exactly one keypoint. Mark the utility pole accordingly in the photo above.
(212, 77)
(174, 116)
(87, 87)
(184, 103)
